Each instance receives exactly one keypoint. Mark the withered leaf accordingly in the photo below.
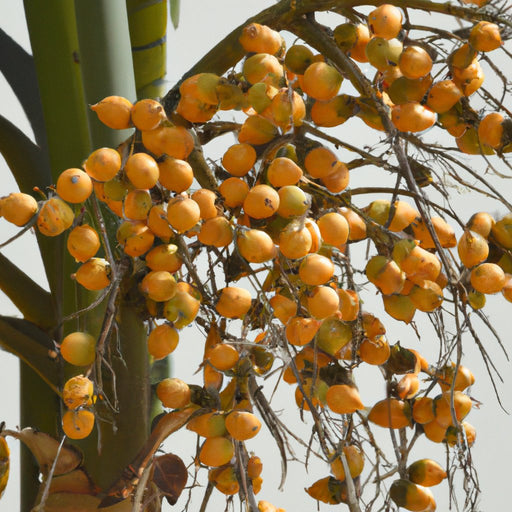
(170, 476)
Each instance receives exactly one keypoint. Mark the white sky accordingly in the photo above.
(202, 24)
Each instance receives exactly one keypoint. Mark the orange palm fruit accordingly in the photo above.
(469, 79)
(83, 242)
(374, 351)
(423, 410)
(256, 38)
(323, 301)
(349, 304)
(372, 326)
(234, 191)
(358, 51)
(414, 62)
(202, 87)
(385, 21)
(502, 231)
(399, 307)
(74, 185)
(463, 378)
(470, 144)
(287, 109)
(408, 386)
(295, 241)
(78, 424)
(261, 202)
(488, 278)
(462, 57)
(334, 228)
(333, 335)
(343, 399)
(18, 208)
(239, 159)
(314, 390)
(114, 112)
(257, 130)
(385, 274)
(283, 308)
(357, 226)
(175, 174)
(142, 170)
(333, 112)
(403, 213)
(452, 122)
(434, 431)
(135, 237)
(443, 96)
(162, 341)
(147, 114)
(321, 81)
(225, 480)
(256, 246)
(412, 117)
(405, 89)
(195, 110)
(293, 201)
(442, 410)
(320, 162)
(316, 269)
(383, 53)
(205, 198)
(468, 436)
(117, 188)
(158, 224)
(338, 180)
(485, 36)
(390, 413)
(411, 496)
(210, 424)
(506, 291)
(103, 164)
(164, 257)
(426, 472)
(316, 237)
(78, 392)
(254, 467)
(216, 451)
(283, 171)
(94, 274)
(355, 461)
(297, 59)
(223, 356)
(444, 232)
(183, 213)
(416, 262)
(300, 330)
(345, 36)
(78, 348)
(173, 393)
(216, 231)
(262, 67)
(242, 425)
(159, 285)
(136, 204)
(472, 249)
(426, 296)
(234, 302)
(173, 141)
(490, 130)
(183, 307)
(328, 490)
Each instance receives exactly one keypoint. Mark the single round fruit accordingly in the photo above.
(343, 399)
(234, 302)
(173, 393)
(103, 164)
(223, 356)
(159, 285)
(78, 424)
(142, 170)
(183, 213)
(216, 451)
(385, 21)
(94, 274)
(114, 111)
(78, 392)
(147, 114)
(261, 202)
(239, 159)
(321, 81)
(242, 425)
(18, 208)
(162, 341)
(74, 185)
(175, 175)
(78, 348)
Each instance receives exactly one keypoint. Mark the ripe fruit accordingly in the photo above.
(485, 37)
(216, 451)
(293, 201)
(343, 399)
(216, 231)
(183, 213)
(239, 159)
(242, 425)
(355, 461)
(385, 21)
(162, 341)
(78, 348)
(283, 171)
(426, 472)
(256, 246)
(174, 174)
(257, 130)
(300, 330)
(261, 202)
(283, 307)
(234, 302)
(103, 164)
(316, 269)
(443, 96)
(320, 162)
(18, 208)
(173, 393)
(321, 81)
(164, 257)
(298, 58)
(262, 67)
(136, 204)
(234, 191)
(390, 413)
(206, 198)
(260, 39)
(295, 241)
(211, 424)
(223, 356)
(159, 285)
(147, 114)
(383, 53)
(74, 185)
(94, 274)
(142, 170)
(442, 408)
(472, 249)
(490, 130)
(78, 392)
(114, 111)
(423, 410)
(487, 278)
(414, 62)
(385, 274)
(183, 307)
(412, 117)
(78, 424)
(135, 237)
(374, 351)
(323, 301)
(411, 496)
(174, 141)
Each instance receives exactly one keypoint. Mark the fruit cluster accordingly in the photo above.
(276, 205)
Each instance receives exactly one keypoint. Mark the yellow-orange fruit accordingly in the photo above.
(334, 111)
(300, 331)
(293, 201)
(201, 86)
(136, 204)
(83, 242)
(333, 335)
(225, 480)
(385, 21)
(18, 208)
(490, 130)
(338, 180)
(216, 231)
(183, 307)
(94, 274)
(114, 112)
(234, 302)
(78, 392)
(502, 231)
(254, 467)
(262, 67)
(175, 174)
(162, 341)
(357, 225)
(223, 357)
(135, 237)
(320, 162)
(257, 130)
(355, 461)
(383, 53)
(164, 257)
(472, 249)
(426, 296)
(408, 386)
(414, 62)
(404, 89)
(239, 159)
(216, 451)
(426, 472)
(261, 202)
(297, 59)
(242, 425)
(334, 228)
(321, 81)
(349, 304)
(147, 114)
(487, 278)
(385, 274)
(173, 141)
(358, 51)
(390, 413)
(463, 379)
(434, 431)
(78, 424)
(283, 171)
(316, 269)
(234, 191)
(142, 170)
(158, 224)
(283, 307)
(485, 37)
(78, 348)
(256, 246)
(103, 164)
(343, 399)
(315, 390)
(159, 285)
(443, 96)
(444, 232)
(295, 241)
(423, 410)
(412, 117)
(399, 307)
(258, 38)
(374, 351)
(442, 409)
(173, 393)
(469, 79)
(287, 109)
(323, 302)
(183, 213)
(74, 185)
(411, 496)
(210, 424)
(205, 198)
(468, 436)
(316, 237)
(195, 110)
(415, 261)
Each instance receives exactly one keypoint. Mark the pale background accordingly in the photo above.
(202, 24)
